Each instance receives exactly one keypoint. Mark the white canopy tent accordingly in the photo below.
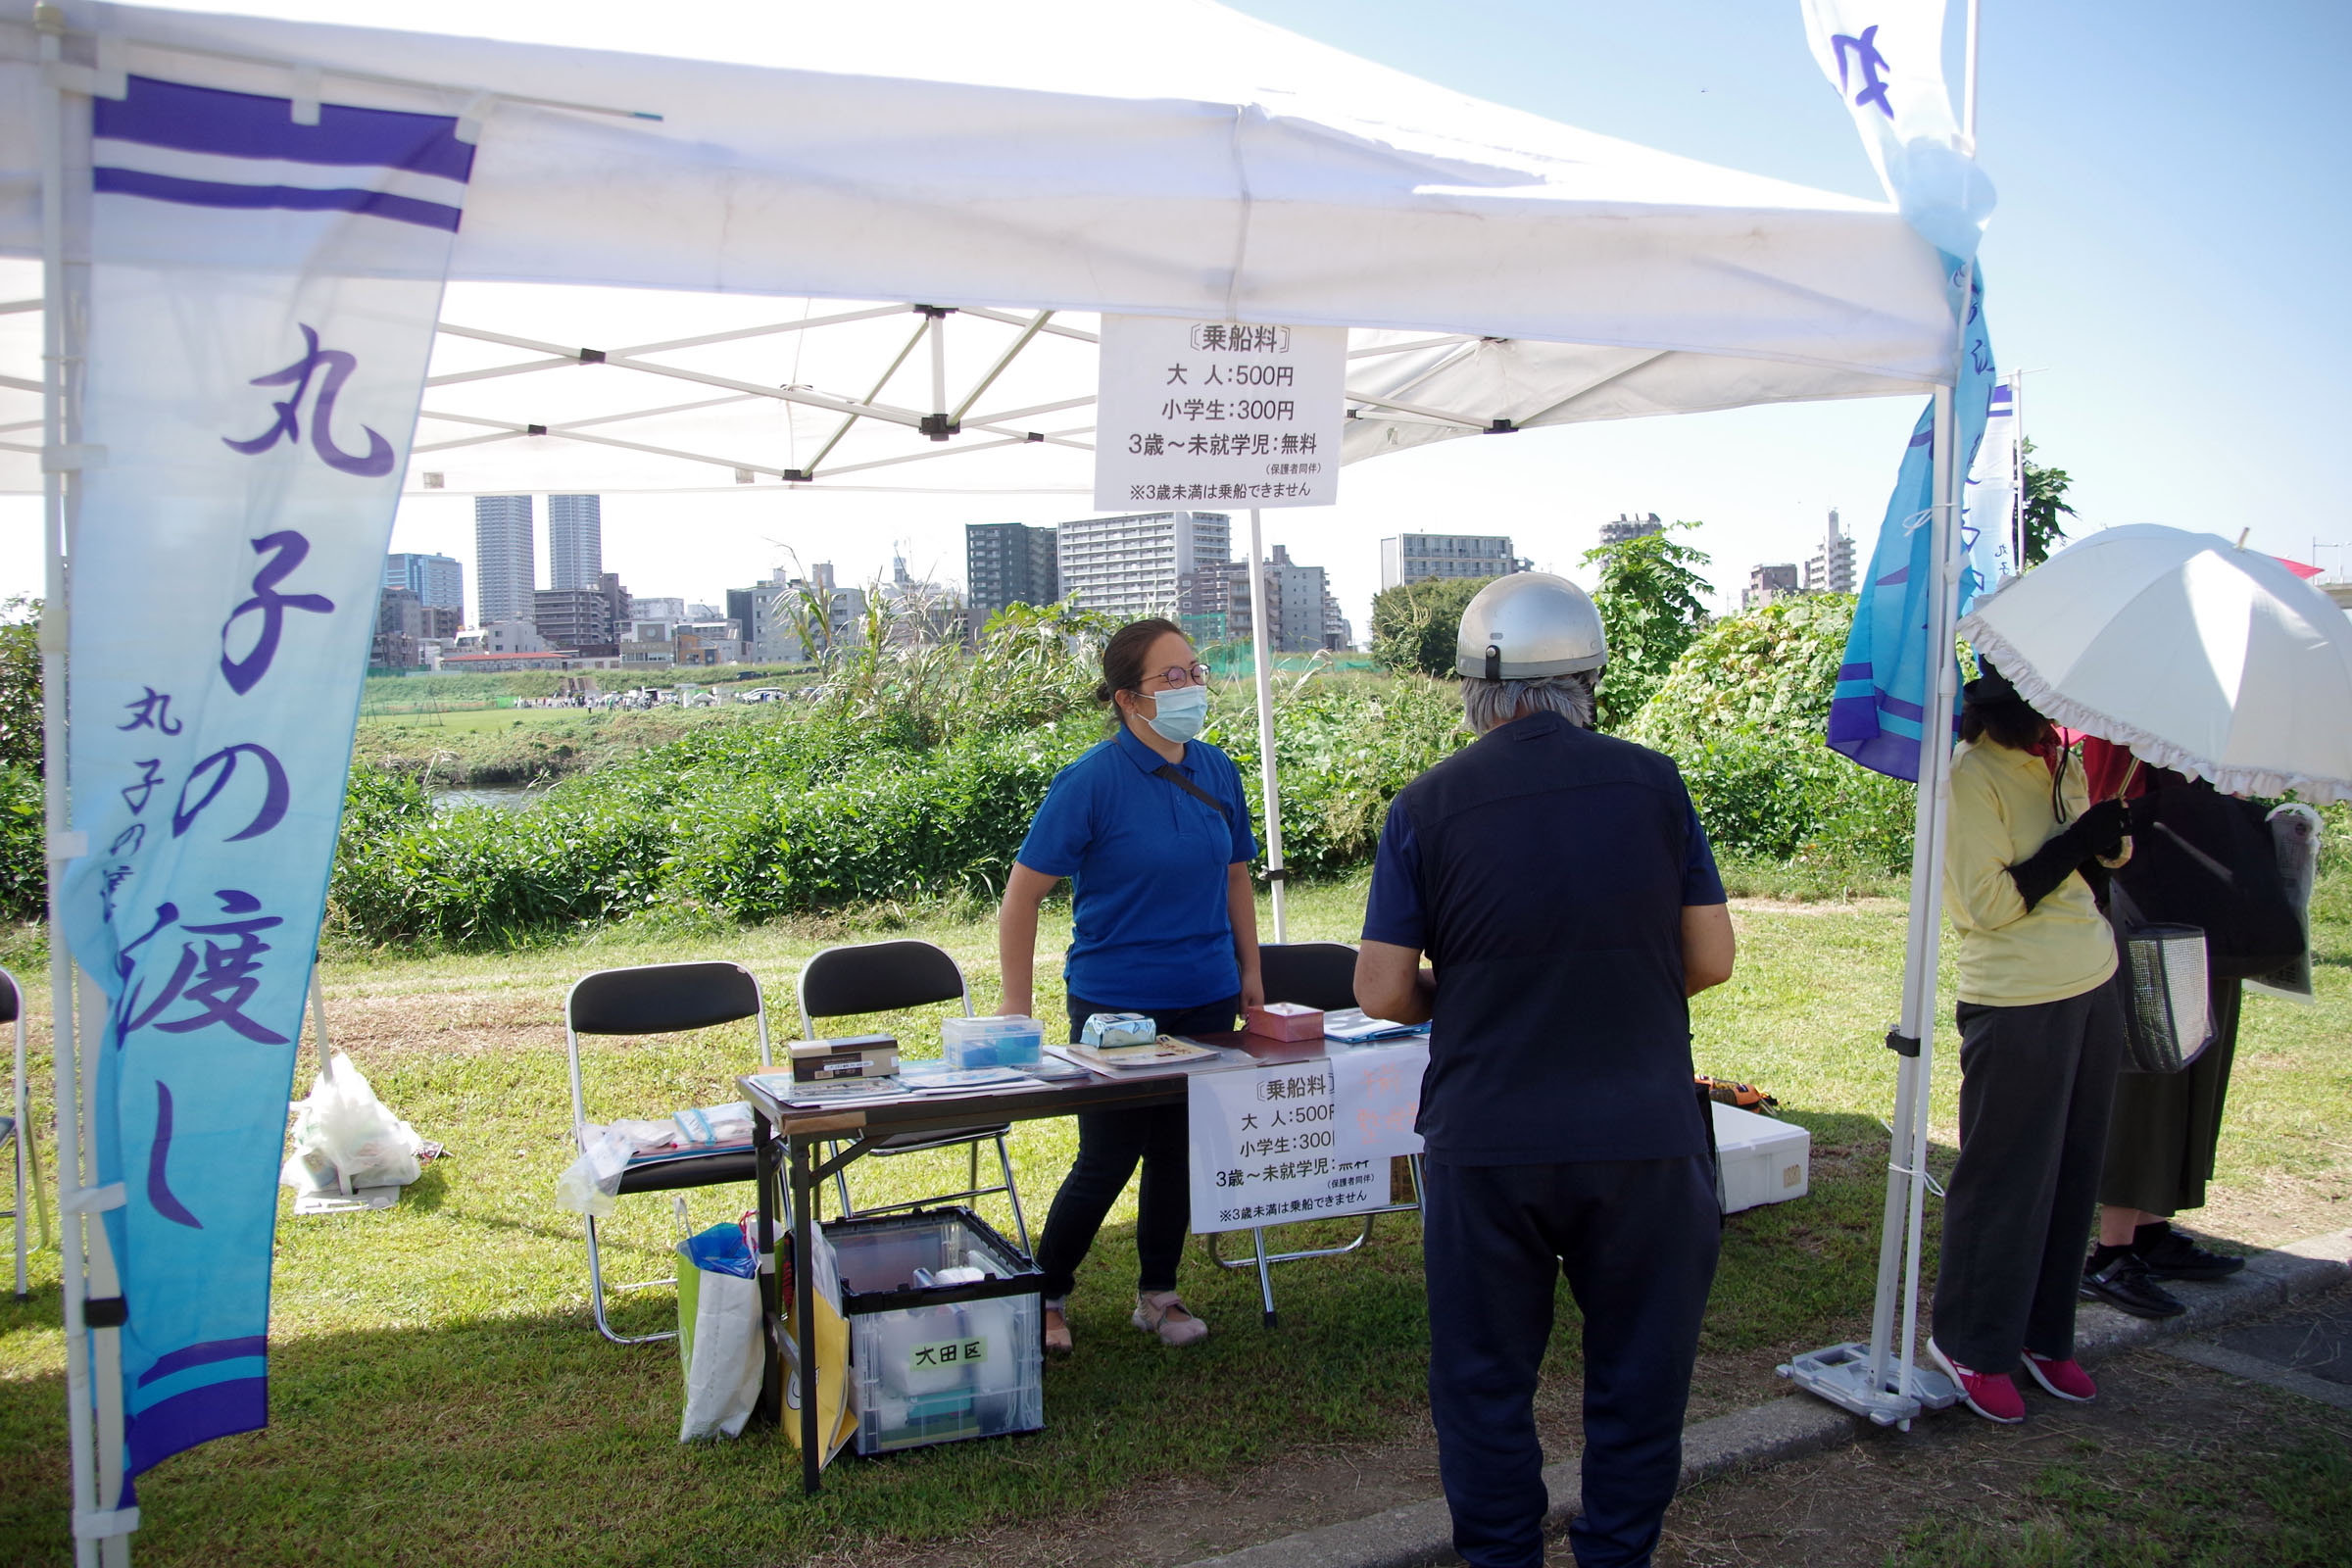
(878, 240)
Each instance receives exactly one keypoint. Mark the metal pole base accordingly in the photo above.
(1840, 1375)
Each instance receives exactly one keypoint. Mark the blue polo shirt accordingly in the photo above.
(1147, 863)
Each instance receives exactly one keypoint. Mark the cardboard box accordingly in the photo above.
(817, 1062)
(1763, 1160)
(1286, 1020)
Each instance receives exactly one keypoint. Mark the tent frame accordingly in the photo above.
(92, 1304)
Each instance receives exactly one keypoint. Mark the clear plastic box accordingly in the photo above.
(938, 1363)
(1010, 1041)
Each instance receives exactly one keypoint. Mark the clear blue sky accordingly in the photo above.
(2171, 241)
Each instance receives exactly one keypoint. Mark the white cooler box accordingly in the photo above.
(1762, 1161)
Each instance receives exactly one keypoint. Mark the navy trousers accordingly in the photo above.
(1111, 1143)
(1637, 1239)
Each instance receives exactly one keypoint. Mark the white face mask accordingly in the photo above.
(1178, 713)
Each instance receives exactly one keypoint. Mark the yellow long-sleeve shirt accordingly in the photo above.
(2010, 956)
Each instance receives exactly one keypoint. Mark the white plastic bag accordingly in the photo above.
(589, 1183)
(723, 1377)
(345, 1137)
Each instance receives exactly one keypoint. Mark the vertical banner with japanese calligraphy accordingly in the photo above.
(1218, 413)
(265, 279)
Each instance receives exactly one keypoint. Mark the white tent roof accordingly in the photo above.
(815, 173)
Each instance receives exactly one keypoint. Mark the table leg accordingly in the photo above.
(763, 1176)
(803, 1308)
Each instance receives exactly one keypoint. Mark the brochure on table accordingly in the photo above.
(1304, 1140)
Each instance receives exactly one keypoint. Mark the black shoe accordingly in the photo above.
(2125, 1284)
(2173, 1256)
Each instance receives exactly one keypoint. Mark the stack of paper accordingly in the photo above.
(1351, 1025)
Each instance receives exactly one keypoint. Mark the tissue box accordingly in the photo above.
(1286, 1020)
(817, 1062)
(1010, 1041)
(1121, 1029)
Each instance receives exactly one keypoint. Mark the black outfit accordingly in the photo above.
(1109, 1144)
(1551, 867)
(2200, 858)
(2035, 1086)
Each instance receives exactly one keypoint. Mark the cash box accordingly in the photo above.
(1286, 1020)
(1119, 1029)
(1006, 1041)
(817, 1062)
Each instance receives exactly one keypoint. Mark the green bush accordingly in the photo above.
(1416, 626)
(24, 871)
(1743, 713)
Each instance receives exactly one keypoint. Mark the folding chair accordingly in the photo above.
(15, 1132)
(1321, 975)
(659, 999)
(883, 977)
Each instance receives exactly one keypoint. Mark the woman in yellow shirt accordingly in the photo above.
(2041, 1038)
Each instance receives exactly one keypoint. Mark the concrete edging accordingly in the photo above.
(1421, 1534)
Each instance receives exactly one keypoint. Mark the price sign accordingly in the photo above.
(1266, 1150)
(1208, 414)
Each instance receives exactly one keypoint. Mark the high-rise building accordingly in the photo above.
(1212, 603)
(1296, 627)
(436, 580)
(575, 541)
(506, 567)
(1830, 568)
(584, 618)
(1132, 565)
(1008, 564)
(1420, 556)
(1768, 585)
(1627, 526)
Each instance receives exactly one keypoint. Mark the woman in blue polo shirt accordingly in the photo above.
(1152, 831)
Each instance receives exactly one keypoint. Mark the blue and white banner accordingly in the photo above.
(265, 280)
(1886, 59)
(1880, 700)
(1988, 509)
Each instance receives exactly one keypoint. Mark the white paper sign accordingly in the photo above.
(1379, 1095)
(1265, 1150)
(1211, 413)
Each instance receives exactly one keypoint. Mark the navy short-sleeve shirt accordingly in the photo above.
(1146, 862)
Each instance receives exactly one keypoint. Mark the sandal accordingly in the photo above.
(1164, 1312)
(1058, 1330)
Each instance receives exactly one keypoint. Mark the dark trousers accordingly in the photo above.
(2037, 1084)
(1637, 1239)
(1109, 1144)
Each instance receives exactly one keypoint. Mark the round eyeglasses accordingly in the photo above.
(1192, 674)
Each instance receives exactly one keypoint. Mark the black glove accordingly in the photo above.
(2097, 832)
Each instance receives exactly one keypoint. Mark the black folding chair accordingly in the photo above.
(659, 999)
(1320, 975)
(882, 977)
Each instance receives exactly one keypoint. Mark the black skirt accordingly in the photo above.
(2164, 1126)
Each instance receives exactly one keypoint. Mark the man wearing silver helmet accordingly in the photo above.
(1562, 889)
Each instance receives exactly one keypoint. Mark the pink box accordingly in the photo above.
(1286, 1020)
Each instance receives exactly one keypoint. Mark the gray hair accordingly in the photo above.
(1491, 703)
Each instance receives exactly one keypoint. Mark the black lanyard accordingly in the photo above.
(1168, 771)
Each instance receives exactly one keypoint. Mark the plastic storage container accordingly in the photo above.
(993, 1042)
(1760, 1161)
(938, 1363)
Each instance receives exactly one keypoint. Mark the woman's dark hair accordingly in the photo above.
(2012, 722)
(1123, 657)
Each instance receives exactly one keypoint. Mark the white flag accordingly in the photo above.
(1886, 59)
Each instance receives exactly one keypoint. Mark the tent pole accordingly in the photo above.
(65, 1058)
(1920, 956)
(1260, 644)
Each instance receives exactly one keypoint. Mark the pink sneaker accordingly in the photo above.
(1993, 1396)
(2064, 1380)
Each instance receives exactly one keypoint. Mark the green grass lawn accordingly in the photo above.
(438, 1392)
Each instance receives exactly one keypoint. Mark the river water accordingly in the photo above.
(500, 797)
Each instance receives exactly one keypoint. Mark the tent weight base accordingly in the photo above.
(1840, 1375)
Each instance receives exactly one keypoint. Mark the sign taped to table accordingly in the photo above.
(1379, 1099)
(1265, 1150)
(1235, 413)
